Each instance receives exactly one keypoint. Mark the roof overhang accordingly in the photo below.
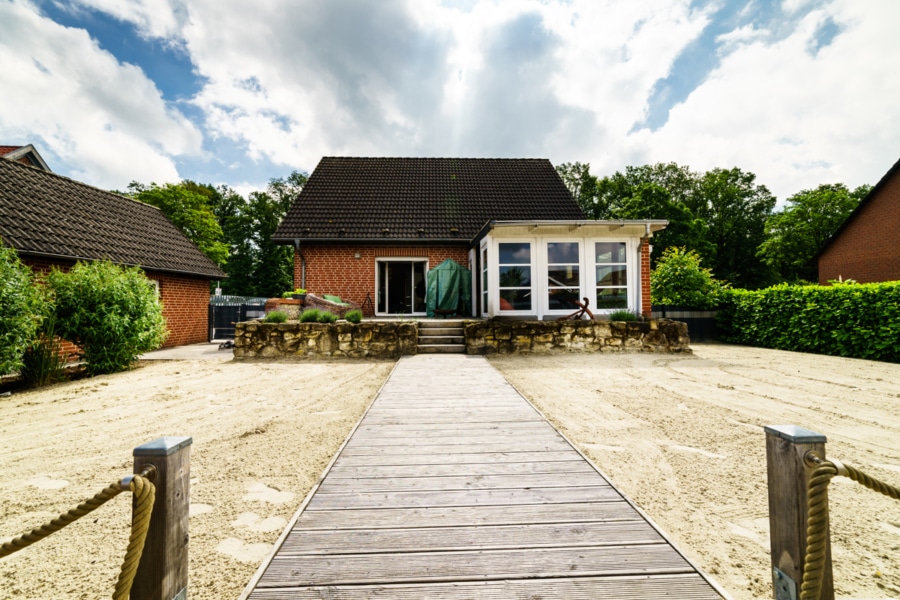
(73, 259)
(30, 154)
(630, 227)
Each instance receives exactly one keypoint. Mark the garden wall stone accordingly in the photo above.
(544, 337)
(373, 339)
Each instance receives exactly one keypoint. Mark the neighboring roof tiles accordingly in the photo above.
(44, 214)
(423, 198)
(27, 155)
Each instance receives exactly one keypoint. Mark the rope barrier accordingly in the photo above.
(817, 527)
(144, 492)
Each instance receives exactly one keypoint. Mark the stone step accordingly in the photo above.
(442, 331)
(441, 339)
(441, 349)
(441, 324)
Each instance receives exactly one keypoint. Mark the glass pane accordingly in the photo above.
(612, 276)
(612, 298)
(563, 299)
(484, 303)
(418, 276)
(515, 254)
(562, 253)
(515, 299)
(563, 276)
(610, 252)
(515, 276)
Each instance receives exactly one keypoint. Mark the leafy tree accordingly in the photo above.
(110, 312)
(679, 279)
(797, 233)
(583, 186)
(21, 309)
(680, 182)
(735, 209)
(256, 266)
(652, 201)
(187, 205)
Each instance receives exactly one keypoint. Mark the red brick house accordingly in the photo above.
(54, 221)
(370, 229)
(866, 248)
(27, 155)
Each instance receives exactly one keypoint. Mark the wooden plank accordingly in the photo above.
(462, 458)
(680, 587)
(464, 469)
(413, 443)
(438, 448)
(401, 430)
(479, 565)
(508, 497)
(578, 512)
(484, 537)
(426, 482)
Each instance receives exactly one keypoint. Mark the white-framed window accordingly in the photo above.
(514, 276)
(611, 265)
(400, 286)
(484, 279)
(563, 275)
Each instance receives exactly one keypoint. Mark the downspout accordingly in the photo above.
(302, 263)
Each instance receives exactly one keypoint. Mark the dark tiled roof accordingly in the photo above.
(44, 214)
(423, 198)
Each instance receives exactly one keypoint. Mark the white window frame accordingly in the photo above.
(631, 277)
(378, 282)
(533, 265)
(545, 274)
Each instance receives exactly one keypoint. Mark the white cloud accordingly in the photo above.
(795, 118)
(68, 96)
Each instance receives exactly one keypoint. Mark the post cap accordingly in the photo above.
(163, 446)
(795, 434)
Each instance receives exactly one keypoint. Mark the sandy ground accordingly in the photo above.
(262, 435)
(682, 436)
(679, 434)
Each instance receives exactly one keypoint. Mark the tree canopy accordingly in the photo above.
(795, 234)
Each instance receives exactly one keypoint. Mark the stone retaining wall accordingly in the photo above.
(372, 339)
(543, 337)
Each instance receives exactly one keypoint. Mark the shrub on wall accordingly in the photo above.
(852, 320)
(21, 310)
(110, 312)
(679, 279)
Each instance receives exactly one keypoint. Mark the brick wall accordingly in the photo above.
(335, 269)
(646, 305)
(185, 304)
(867, 249)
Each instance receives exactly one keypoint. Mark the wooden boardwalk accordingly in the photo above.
(454, 486)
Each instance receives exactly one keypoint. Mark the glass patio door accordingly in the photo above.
(401, 287)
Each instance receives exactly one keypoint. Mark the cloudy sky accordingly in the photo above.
(800, 92)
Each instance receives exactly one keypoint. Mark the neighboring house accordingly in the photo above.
(369, 229)
(27, 155)
(54, 221)
(866, 248)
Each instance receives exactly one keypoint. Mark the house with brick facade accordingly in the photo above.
(866, 248)
(52, 220)
(370, 229)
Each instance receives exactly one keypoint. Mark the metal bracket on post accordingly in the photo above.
(785, 587)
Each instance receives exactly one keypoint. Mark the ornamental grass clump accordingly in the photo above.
(622, 315)
(327, 317)
(110, 312)
(310, 315)
(276, 316)
(354, 316)
(44, 362)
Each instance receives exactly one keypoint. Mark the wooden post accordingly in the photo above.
(163, 571)
(788, 474)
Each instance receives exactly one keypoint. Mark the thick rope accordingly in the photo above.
(817, 526)
(145, 493)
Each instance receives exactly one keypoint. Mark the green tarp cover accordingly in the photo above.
(449, 288)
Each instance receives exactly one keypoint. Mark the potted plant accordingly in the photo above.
(298, 294)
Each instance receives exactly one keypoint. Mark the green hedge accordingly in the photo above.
(853, 320)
